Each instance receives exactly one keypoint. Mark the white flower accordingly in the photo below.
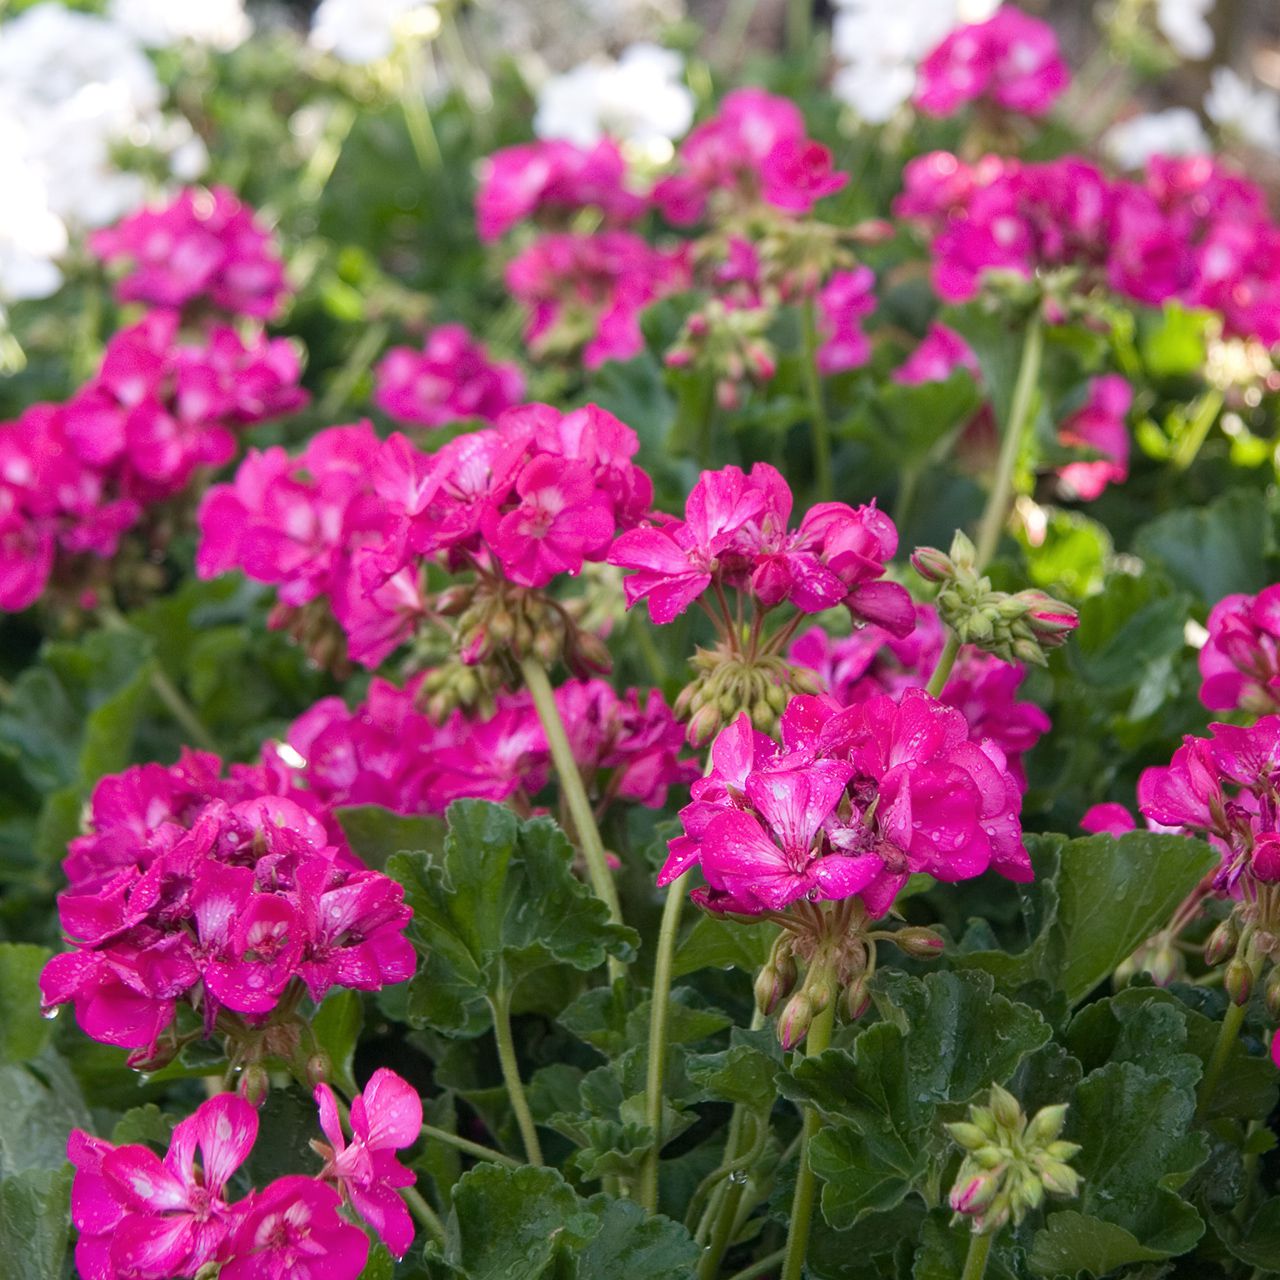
(880, 43)
(640, 99)
(159, 24)
(1175, 132)
(1251, 112)
(364, 31)
(1183, 24)
(32, 236)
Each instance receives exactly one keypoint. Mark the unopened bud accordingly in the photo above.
(931, 564)
(924, 944)
(963, 553)
(1272, 994)
(857, 999)
(975, 1192)
(793, 1025)
(1222, 941)
(703, 725)
(1005, 1108)
(1238, 981)
(1046, 1125)
(254, 1084)
(969, 1136)
(318, 1068)
(1058, 1178)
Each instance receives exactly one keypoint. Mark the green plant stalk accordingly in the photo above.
(818, 1039)
(656, 1073)
(1228, 1034)
(975, 1262)
(799, 27)
(1197, 430)
(946, 660)
(727, 1208)
(424, 1213)
(761, 1268)
(817, 406)
(500, 1004)
(481, 1152)
(996, 511)
(356, 365)
(575, 794)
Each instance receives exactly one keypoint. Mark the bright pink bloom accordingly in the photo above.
(753, 149)
(385, 1118)
(451, 379)
(205, 246)
(555, 177)
(1012, 59)
(1240, 661)
(1099, 426)
(588, 291)
(140, 1216)
(291, 1231)
(847, 298)
(1107, 819)
(939, 354)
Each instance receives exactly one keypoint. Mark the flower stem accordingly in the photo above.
(1015, 430)
(975, 1262)
(575, 794)
(813, 384)
(1197, 431)
(424, 1213)
(1228, 1034)
(799, 27)
(660, 996)
(500, 1003)
(946, 660)
(818, 1039)
(761, 1268)
(481, 1152)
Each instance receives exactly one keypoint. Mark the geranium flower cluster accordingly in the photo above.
(232, 907)
(451, 379)
(1240, 660)
(850, 803)
(143, 1217)
(204, 248)
(75, 477)
(1190, 231)
(873, 661)
(1011, 60)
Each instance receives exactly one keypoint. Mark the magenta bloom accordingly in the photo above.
(140, 1216)
(939, 354)
(291, 1231)
(385, 1118)
(554, 177)
(846, 299)
(754, 149)
(1099, 426)
(451, 379)
(1107, 819)
(1012, 59)
(1240, 661)
(588, 291)
(205, 246)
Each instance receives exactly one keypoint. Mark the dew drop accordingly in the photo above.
(739, 1176)
(51, 1013)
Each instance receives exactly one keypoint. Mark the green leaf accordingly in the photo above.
(498, 903)
(630, 1244)
(1151, 1033)
(23, 1032)
(376, 833)
(146, 1125)
(746, 1073)
(865, 1171)
(1072, 1242)
(35, 1209)
(1259, 1243)
(42, 1104)
(715, 943)
(1173, 344)
(909, 421)
(336, 1025)
(944, 1246)
(381, 1265)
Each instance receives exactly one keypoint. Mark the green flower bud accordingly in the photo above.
(1272, 995)
(967, 1135)
(1222, 941)
(924, 944)
(793, 1025)
(857, 998)
(1005, 1108)
(1238, 981)
(1046, 1125)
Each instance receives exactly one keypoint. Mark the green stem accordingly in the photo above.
(726, 1207)
(481, 1152)
(424, 1213)
(353, 369)
(799, 27)
(946, 660)
(817, 406)
(908, 483)
(1228, 1034)
(1197, 430)
(975, 1262)
(500, 1003)
(818, 1039)
(575, 794)
(763, 1267)
(1015, 430)
(660, 997)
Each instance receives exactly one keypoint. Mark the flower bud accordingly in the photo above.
(1046, 1125)
(967, 1135)
(857, 999)
(931, 564)
(974, 1192)
(1005, 1108)
(1238, 981)
(1222, 941)
(703, 725)
(1265, 859)
(1272, 994)
(924, 944)
(1058, 1178)
(793, 1025)
(254, 1084)
(319, 1068)
(963, 553)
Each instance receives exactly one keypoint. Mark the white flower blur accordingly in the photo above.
(32, 236)
(1184, 24)
(878, 45)
(159, 24)
(641, 99)
(1175, 132)
(1249, 111)
(365, 31)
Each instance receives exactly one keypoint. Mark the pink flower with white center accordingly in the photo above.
(385, 1118)
(1240, 661)
(151, 1219)
(1099, 426)
(451, 379)
(554, 177)
(205, 246)
(847, 298)
(291, 1230)
(1012, 59)
(560, 521)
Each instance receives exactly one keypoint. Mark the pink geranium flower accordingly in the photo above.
(847, 298)
(1099, 426)
(385, 1118)
(1240, 661)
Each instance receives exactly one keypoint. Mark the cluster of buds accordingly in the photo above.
(1247, 950)
(730, 345)
(1010, 1162)
(838, 953)
(1016, 627)
(729, 683)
